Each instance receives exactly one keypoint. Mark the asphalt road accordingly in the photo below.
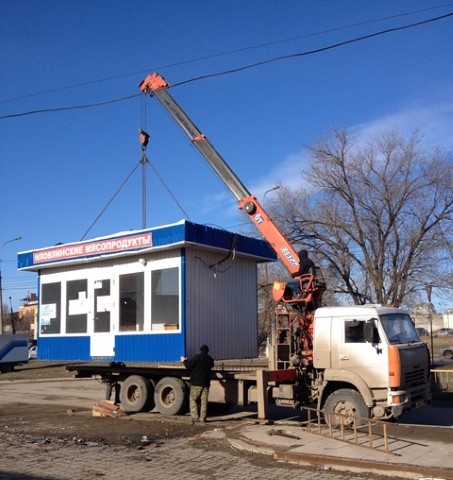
(81, 393)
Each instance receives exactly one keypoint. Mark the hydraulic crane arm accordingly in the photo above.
(157, 86)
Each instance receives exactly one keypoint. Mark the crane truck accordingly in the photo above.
(360, 361)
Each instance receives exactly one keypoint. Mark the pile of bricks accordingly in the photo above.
(106, 408)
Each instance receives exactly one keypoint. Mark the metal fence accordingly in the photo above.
(442, 381)
(362, 432)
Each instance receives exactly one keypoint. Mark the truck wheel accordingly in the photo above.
(342, 406)
(136, 394)
(448, 354)
(170, 396)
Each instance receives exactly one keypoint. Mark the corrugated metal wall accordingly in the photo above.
(221, 305)
(149, 348)
(64, 348)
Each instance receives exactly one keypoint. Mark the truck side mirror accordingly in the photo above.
(368, 331)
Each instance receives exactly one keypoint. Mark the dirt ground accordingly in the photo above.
(49, 422)
(79, 425)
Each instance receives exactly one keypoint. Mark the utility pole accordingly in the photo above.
(1, 287)
(13, 327)
(429, 289)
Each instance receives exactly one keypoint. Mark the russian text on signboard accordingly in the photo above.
(110, 245)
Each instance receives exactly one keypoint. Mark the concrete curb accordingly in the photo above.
(360, 466)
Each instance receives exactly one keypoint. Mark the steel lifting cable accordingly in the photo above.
(168, 190)
(144, 138)
(111, 200)
(144, 142)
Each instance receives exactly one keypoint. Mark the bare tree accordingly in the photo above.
(266, 305)
(380, 216)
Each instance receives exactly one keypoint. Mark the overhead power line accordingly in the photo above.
(246, 67)
(227, 52)
(75, 107)
(317, 50)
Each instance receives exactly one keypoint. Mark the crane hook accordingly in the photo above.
(143, 138)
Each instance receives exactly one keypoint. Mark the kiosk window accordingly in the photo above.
(50, 308)
(131, 302)
(165, 298)
(76, 306)
(102, 306)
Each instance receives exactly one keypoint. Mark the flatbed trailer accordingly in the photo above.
(165, 386)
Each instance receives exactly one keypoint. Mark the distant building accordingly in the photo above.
(421, 317)
(28, 315)
(448, 318)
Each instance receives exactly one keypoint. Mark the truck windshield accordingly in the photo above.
(399, 328)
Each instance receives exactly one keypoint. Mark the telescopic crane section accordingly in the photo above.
(157, 86)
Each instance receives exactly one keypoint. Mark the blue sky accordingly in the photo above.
(59, 169)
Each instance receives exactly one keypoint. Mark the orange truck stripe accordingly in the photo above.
(394, 367)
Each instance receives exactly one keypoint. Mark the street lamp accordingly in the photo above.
(9, 241)
(1, 288)
(429, 289)
(270, 190)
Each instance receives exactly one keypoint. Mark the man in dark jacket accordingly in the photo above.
(305, 266)
(200, 381)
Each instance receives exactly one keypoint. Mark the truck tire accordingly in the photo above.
(171, 396)
(136, 394)
(348, 404)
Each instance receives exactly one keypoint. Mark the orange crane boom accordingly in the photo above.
(157, 86)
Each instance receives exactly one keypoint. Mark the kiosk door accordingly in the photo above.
(103, 334)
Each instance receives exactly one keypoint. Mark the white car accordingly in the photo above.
(32, 352)
(447, 352)
(445, 332)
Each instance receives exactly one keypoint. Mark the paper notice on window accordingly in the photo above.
(78, 306)
(47, 312)
(104, 303)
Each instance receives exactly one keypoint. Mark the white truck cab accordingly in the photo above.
(373, 352)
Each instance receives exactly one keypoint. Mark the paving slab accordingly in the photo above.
(404, 458)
